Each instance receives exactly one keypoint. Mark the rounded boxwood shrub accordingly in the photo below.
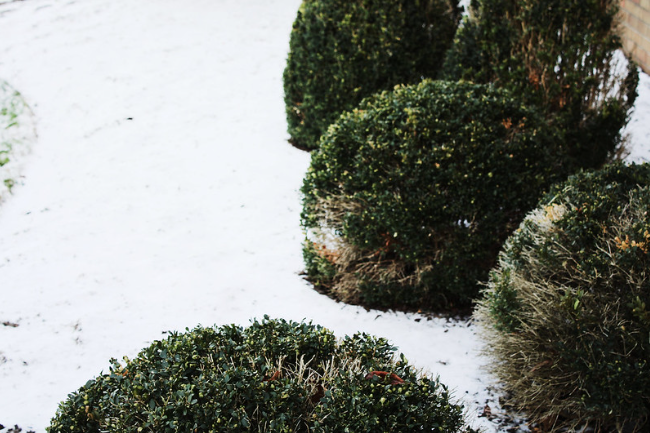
(342, 51)
(559, 55)
(411, 195)
(566, 312)
(274, 376)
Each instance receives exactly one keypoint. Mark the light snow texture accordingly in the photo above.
(638, 128)
(162, 194)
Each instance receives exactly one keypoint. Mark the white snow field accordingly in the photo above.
(161, 194)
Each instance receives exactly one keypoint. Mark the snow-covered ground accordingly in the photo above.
(162, 194)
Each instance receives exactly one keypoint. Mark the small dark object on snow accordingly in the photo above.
(16, 429)
(487, 412)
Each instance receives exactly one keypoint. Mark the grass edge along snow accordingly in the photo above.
(17, 134)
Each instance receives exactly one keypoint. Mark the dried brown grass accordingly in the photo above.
(355, 265)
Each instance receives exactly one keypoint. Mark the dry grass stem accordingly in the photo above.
(355, 265)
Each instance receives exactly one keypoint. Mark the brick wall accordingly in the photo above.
(636, 30)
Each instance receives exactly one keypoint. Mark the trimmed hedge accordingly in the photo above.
(566, 312)
(342, 51)
(410, 197)
(559, 55)
(274, 376)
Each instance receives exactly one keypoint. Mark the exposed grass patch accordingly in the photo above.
(17, 131)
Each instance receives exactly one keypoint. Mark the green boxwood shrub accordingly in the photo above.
(559, 55)
(342, 51)
(411, 195)
(274, 376)
(566, 312)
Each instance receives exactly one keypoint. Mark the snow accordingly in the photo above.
(638, 128)
(161, 194)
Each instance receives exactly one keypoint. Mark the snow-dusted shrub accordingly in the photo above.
(342, 51)
(411, 195)
(273, 376)
(560, 55)
(566, 312)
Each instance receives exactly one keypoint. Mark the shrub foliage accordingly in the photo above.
(566, 312)
(410, 197)
(559, 55)
(273, 376)
(342, 51)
